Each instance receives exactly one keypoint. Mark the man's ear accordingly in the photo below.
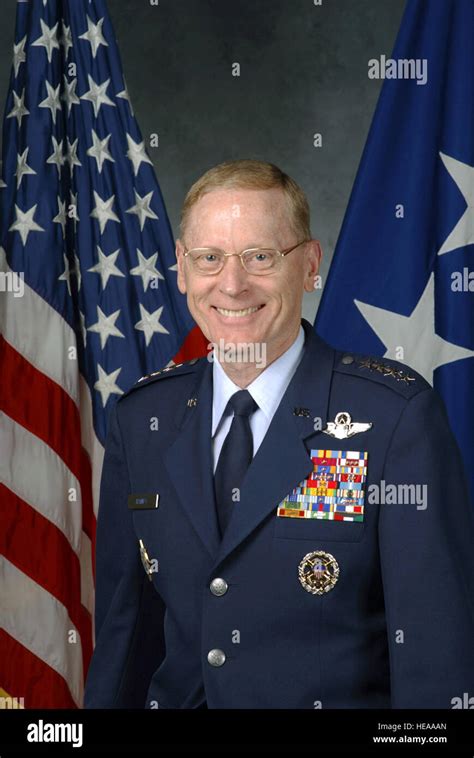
(181, 281)
(313, 254)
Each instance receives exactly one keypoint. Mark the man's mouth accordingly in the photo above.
(238, 313)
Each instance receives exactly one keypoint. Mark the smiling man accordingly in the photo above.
(247, 553)
(230, 305)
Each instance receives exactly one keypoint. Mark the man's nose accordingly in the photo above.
(233, 278)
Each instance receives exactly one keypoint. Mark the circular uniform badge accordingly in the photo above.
(318, 572)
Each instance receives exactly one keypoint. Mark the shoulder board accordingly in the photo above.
(176, 369)
(393, 374)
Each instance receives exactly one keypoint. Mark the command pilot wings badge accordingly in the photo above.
(343, 427)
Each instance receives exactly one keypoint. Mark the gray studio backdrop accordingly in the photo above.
(303, 70)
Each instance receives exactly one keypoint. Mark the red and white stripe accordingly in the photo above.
(50, 466)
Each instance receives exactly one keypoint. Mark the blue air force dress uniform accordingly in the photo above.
(327, 589)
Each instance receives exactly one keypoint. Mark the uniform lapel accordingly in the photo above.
(189, 463)
(282, 459)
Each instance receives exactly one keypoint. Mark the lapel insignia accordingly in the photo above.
(342, 426)
(318, 572)
(192, 402)
(304, 412)
(333, 490)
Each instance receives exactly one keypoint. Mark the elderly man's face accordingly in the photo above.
(234, 305)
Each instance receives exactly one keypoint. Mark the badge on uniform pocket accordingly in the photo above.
(334, 490)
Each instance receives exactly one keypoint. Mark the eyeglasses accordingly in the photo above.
(255, 260)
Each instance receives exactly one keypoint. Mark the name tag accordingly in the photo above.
(333, 491)
(138, 502)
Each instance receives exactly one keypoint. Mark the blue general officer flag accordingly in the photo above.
(401, 283)
(82, 213)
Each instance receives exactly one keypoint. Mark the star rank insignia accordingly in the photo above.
(162, 371)
(167, 368)
(372, 364)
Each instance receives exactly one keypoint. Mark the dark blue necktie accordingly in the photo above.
(235, 457)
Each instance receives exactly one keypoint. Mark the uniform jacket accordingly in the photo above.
(397, 628)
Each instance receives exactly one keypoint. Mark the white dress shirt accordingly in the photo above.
(267, 390)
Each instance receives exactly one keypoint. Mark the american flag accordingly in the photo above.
(89, 304)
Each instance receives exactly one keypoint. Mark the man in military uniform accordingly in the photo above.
(247, 554)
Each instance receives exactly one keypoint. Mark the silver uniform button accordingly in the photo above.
(216, 657)
(218, 586)
(347, 359)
